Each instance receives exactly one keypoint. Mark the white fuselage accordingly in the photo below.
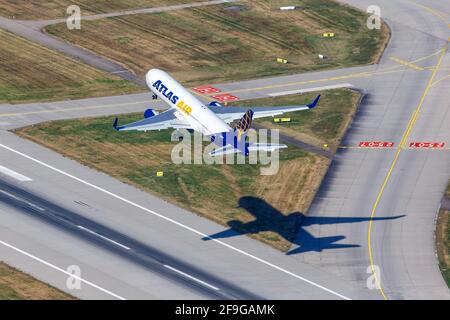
(188, 107)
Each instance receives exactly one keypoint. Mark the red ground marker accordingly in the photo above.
(376, 144)
(225, 97)
(426, 145)
(206, 89)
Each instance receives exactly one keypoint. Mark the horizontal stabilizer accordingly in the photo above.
(265, 147)
(115, 126)
(228, 149)
(314, 103)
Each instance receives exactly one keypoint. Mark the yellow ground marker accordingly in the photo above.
(328, 34)
(281, 60)
(405, 137)
(160, 173)
(281, 120)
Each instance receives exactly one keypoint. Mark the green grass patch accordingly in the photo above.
(443, 243)
(443, 239)
(324, 124)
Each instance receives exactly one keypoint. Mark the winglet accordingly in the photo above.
(314, 103)
(115, 124)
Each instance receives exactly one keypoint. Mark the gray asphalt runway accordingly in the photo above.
(108, 240)
(406, 100)
(129, 217)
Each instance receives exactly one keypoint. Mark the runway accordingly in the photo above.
(122, 214)
(406, 99)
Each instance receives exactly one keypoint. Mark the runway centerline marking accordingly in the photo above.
(48, 264)
(400, 147)
(103, 237)
(13, 174)
(22, 200)
(191, 277)
(203, 235)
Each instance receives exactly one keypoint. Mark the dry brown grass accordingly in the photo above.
(40, 10)
(293, 188)
(15, 284)
(212, 44)
(30, 72)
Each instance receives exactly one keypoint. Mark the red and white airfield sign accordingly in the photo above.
(376, 144)
(206, 89)
(225, 97)
(426, 145)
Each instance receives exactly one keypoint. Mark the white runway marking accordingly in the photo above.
(103, 237)
(177, 223)
(61, 270)
(22, 200)
(14, 174)
(191, 277)
(335, 86)
(11, 195)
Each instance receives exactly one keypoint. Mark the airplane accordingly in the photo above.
(187, 112)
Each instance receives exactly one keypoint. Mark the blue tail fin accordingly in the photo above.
(314, 103)
(245, 122)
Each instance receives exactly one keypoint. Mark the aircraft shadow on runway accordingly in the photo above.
(290, 227)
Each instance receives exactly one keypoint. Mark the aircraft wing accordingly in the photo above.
(164, 120)
(229, 114)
